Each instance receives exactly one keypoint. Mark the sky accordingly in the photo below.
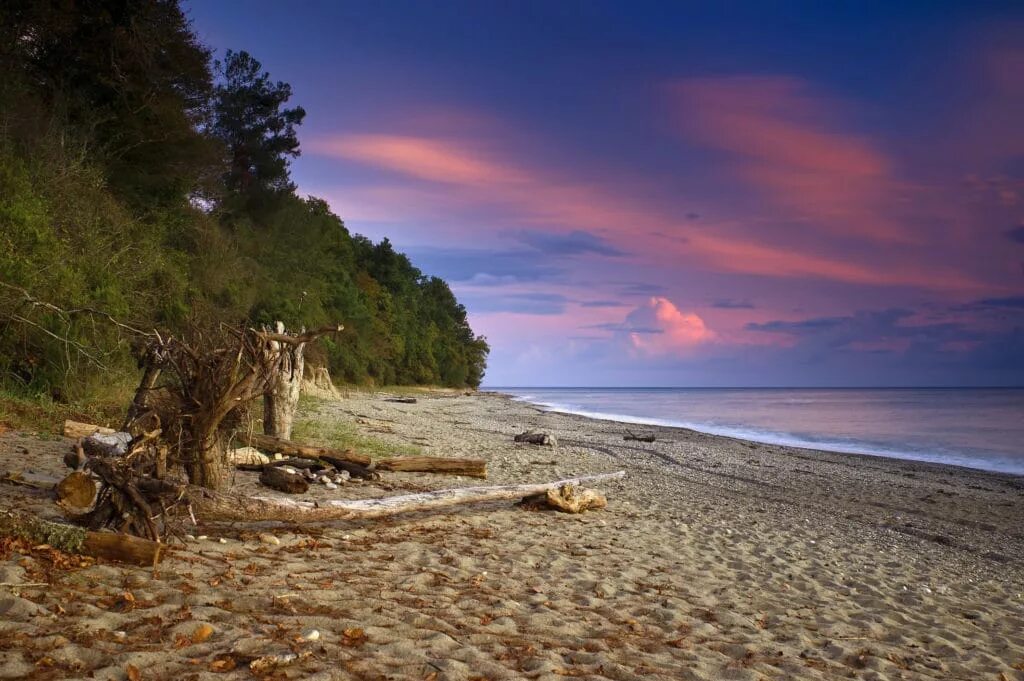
(679, 194)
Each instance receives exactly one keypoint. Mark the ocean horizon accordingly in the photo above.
(977, 427)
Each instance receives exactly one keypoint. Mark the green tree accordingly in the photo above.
(128, 81)
(258, 132)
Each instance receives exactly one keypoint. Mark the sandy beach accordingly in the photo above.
(715, 559)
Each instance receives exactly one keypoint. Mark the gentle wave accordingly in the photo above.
(981, 459)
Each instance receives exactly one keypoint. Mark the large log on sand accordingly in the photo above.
(474, 468)
(118, 547)
(212, 506)
(290, 448)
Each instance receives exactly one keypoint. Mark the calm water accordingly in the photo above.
(977, 428)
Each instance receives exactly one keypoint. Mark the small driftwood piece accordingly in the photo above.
(77, 429)
(474, 468)
(354, 469)
(630, 436)
(401, 400)
(567, 499)
(71, 539)
(213, 506)
(76, 493)
(283, 480)
(291, 448)
(532, 438)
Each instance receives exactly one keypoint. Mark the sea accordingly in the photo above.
(979, 428)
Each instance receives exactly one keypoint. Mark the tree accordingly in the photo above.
(259, 133)
(129, 81)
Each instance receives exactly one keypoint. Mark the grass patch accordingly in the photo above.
(42, 415)
(402, 390)
(315, 427)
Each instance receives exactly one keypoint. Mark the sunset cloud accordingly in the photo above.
(782, 141)
(592, 220)
(419, 157)
(659, 327)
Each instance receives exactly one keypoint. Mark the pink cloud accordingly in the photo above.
(419, 157)
(781, 141)
(460, 178)
(659, 327)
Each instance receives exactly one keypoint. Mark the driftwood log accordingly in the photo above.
(356, 470)
(630, 436)
(212, 506)
(533, 438)
(71, 539)
(401, 400)
(76, 493)
(76, 429)
(474, 468)
(568, 498)
(290, 448)
(283, 480)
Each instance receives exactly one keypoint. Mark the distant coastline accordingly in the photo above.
(996, 452)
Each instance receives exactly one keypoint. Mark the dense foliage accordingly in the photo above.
(139, 177)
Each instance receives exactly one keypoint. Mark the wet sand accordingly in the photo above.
(716, 559)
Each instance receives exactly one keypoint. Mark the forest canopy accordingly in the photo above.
(140, 177)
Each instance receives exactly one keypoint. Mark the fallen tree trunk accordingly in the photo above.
(474, 468)
(123, 548)
(211, 506)
(77, 429)
(289, 448)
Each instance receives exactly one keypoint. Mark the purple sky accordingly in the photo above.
(646, 194)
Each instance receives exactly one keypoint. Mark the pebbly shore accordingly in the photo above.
(715, 559)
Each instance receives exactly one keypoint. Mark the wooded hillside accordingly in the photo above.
(141, 177)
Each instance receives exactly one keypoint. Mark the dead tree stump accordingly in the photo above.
(281, 399)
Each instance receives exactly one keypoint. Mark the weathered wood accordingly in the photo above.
(474, 468)
(630, 436)
(149, 378)
(533, 438)
(282, 480)
(574, 499)
(281, 399)
(71, 539)
(304, 337)
(77, 429)
(356, 470)
(401, 400)
(76, 493)
(290, 448)
(212, 506)
(248, 456)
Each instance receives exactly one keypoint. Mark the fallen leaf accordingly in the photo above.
(223, 664)
(133, 673)
(353, 636)
(202, 632)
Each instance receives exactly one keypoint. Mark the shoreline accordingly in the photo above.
(650, 424)
(715, 559)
